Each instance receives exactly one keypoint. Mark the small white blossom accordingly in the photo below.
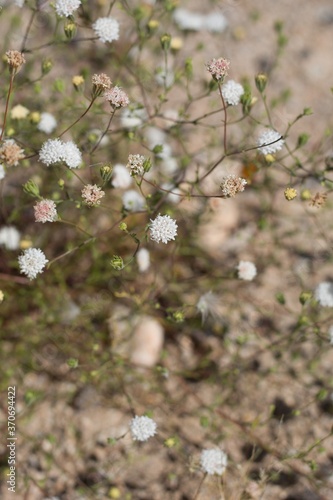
(2, 172)
(324, 294)
(71, 154)
(132, 118)
(142, 428)
(232, 92)
(19, 3)
(215, 22)
(266, 138)
(51, 151)
(246, 270)
(47, 123)
(135, 164)
(10, 237)
(116, 97)
(188, 20)
(121, 177)
(165, 77)
(213, 461)
(32, 262)
(107, 29)
(66, 8)
(133, 201)
(143, 260)
(163, 228)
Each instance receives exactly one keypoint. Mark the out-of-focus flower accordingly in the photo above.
(213, 461)
(32, 262)
(188, 20)
(121, 177)
(11, 153)
(45, 211)
(232, 92)
(10, 237)
(209, 305)
(133, 201)
(246, 270)
(47, 123)
(66, 8)
(19, 112)
(163, 228)
(142, 428)
(132, 117)
(116, 97)
(231, 185)
(92, 194)
(324, 294)
(318, 200)
(101, 82)
(218, 68)
(215, 22)
(107, 29)
(2, 172)
(15, 60)
(270, 142)
(143, 260)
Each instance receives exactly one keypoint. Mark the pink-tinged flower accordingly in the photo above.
(218, 68)
(92, 194)
(45, 211)
(231, 185)
(246, 270)
(11, 153)
(116, 97)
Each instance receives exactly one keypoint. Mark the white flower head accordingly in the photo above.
(32, 262)
(215, 22)
(2, 172)
(188, 20)
(51, 151)
(246, 270)
(213, 461)
(66, 8)
(10, 237)
(324, 294)
(142, 428)
(143, 260)
(121, 177)
(133, 201)
(47, 123)
(270, 142)
(132, 118)
(209, 305)
(19, 3)
(232, 92)
(107, 29)
(135, 164)
(71, 154)
(163, 228)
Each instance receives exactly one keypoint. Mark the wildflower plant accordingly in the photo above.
(137, 170)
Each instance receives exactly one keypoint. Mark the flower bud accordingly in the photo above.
(123, 226)
(261, 81)
(47, 65)
(290, 193)
(306, 195)
(305, 297)
(117, 263)
(70, 30)
(106, 172)
(77, 82)
(165, 41)
(31, 188)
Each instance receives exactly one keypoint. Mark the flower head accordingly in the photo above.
(45, 211)
(143, 260)
(15, 60)
(116, 97)
(92, 194)
(71, 154)
(10, 237)
(231, 185)
(121, 177)
(32, 262)
(19, 112)
(213, 461)
(163, 228)
(107, 29)
(133, 201)
(101, 82)
(246, 270)
(2, 172)
(290, 193)
(270, 142)
(55, 150)
(232, 92)
(218, 68)
(11, 153)
(66, 8)
(47, 123)
(142, 428)
(135, 164)
(324, 294)
(209, 305)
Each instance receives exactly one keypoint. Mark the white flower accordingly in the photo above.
(116, 97)
(142, 428)
(143, 260)
(107, 29)
(10, 237)
(209, 305)
(65, 8)
(71, 154)
(163, 228)
(215, 22)
(169, 165)
(173, 196)
(19, 3)
(246, 270)
(135, 164)
(47, 123)
(51, 151)
(266, 138)
(213, 461)
(95, 136)
(121, 177)
(133, 201)
(324, 294)
(132, 118)
(156, 137)
(232, 92)
(32, 262)
(189, 21)
(2, 172)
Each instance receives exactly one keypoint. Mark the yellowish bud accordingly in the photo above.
(2, 296)
(306, 195)
(26, 243)
(35, 117)
(290, 193)
(114, 492)
(261, 81)
(77, 81)
(176, 43)
(269, 159)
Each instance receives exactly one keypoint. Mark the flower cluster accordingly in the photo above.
(101, 82)
(324, 294)
(232, 92)
(290, 193)
(116, 97)
(66, 8)
(133, 201)
(135, 164)
(142, 428)
(45, 211)
(55, 150)
(121, 177)
(270, 142)
(32, 262)
(231, 185)
(143, 260)
(246, 270)
(10, 237)
(15, 60)
(47, 123)
(163, 228)
(11, 153)
(218, 68)
(92, 194)
(107, 29)
(213, 461)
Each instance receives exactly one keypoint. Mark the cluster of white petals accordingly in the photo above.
(32, 262)
(55, 150)
(66, 8)
(107, 29)
(213, 461)
(142, 428)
